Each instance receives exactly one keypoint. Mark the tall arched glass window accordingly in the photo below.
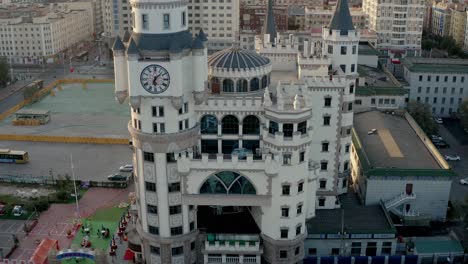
(264, 81)
(254, 84)
(230, 125)
(242, 85)
(209, 124)
(227, 182)
(228, 86)
(251, 125)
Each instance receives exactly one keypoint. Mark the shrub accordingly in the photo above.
(62, 195)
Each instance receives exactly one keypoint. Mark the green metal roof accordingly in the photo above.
(435, 67)
(371, 171)
(374, 90)
(438, 246)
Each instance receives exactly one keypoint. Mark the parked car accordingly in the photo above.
(436, 137)
(116, 177)
(438, 120)
(452, 157)
(17, 210)
(441, 144)
(2, 208)
(126, 168)
(464, 181)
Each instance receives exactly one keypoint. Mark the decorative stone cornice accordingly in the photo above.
(158, 5)
(135, 101)
(165, 143)
(120, 96)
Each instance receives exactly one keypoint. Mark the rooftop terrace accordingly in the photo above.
(395, 145)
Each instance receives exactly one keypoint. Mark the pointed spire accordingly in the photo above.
(342, 18)
(202, 35)
(126, 36)
(197, 43)
(132, 48)
(118, 45)
(270, 25)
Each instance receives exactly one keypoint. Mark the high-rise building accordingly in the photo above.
(465, 45)
(233, 154)
(399, 25)
(117, 18)
(458, 24)
(319, 17)
(441, 18)
(219, 19)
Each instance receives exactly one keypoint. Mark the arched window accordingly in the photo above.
(228, 86)
(254, 84)
(251, 125)
(264, 81)
(209, 124)
(215, 85)
(230, 125)
(227, 182)
(242, 85)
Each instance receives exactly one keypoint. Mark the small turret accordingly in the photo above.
(270, 26)
(120, 71)
(132, 48)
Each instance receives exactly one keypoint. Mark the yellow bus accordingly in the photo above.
(13, 156)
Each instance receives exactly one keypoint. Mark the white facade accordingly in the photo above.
(398, 23)
(218, 19)
(31, 40)
(116, 17)
(441, 83)
(217, 134)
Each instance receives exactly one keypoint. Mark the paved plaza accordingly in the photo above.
(78, 112)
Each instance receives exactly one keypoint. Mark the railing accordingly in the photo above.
(215, 259)
(250, 259)
(399, 199)
(232, 259)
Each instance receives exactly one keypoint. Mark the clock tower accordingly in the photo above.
(161, 70)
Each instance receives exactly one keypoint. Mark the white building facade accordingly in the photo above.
(219, 19)
(398, 23)
(230, 164)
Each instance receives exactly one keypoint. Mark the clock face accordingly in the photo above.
(155, 79)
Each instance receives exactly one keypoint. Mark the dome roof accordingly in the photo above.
(236, 58)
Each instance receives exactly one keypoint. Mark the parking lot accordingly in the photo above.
(459, 191)
(91, 162)
(8, 228)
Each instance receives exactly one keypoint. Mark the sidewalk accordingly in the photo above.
(13, 88)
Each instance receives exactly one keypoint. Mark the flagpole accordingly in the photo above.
(74, 185)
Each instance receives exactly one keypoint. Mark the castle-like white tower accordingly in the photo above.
(229, 163)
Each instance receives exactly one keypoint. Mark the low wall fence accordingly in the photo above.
(48, 180)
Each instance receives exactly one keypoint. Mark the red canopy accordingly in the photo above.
(129, 255)
(41, 252)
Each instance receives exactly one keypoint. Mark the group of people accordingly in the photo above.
(103, 232)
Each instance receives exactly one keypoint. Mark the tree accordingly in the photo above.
(422, 115)
(4, 72)
(463, 111)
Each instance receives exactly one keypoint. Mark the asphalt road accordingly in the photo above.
(458, 191)
(91, 162)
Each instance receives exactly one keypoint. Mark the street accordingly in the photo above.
(458, 191)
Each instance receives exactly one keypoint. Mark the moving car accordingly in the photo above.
(452, 157)
(464, 181)
(116, 177)
(438, 120)
(126, 168)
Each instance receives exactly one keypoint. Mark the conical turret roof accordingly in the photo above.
(270, 24)
(342, 20)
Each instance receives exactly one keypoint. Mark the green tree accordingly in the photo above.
(463, 111)
(423, 116)
(4, 72)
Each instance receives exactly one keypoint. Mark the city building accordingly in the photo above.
(302, 3)
(465, 45)
(253, 17)
(348, 232)
(33, 34)
(296, 17)
(458, 24)
(232, 157)
(399, 25)
(395, 164)
(319, 17)
(219, 20)
(116, 19)
(441, 83)
(441, 19)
